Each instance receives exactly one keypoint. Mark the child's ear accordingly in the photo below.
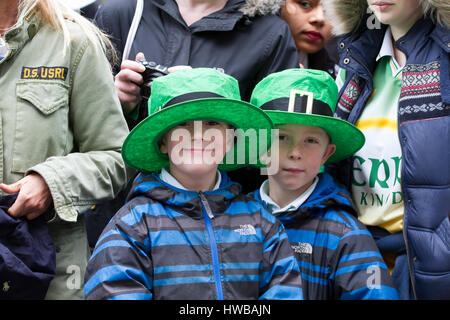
(162, 143)
(331, 148)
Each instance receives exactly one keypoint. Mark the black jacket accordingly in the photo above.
(247, 41)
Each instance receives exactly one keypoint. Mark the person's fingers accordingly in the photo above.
(18, 209)
(140, 56)
(33, 215)
(128, 88)
(132, 65)
(128, 75)
(10, 188)
(34, 197)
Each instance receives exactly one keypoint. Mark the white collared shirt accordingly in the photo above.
(387, 50)
(294, 205)
(168, 178)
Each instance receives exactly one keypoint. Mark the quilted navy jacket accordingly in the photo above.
(337, 255)
(423, 128)
(167, 243)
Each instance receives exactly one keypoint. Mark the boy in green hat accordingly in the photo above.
(187, 231)
(337, 256)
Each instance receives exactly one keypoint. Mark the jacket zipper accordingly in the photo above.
(207, 213)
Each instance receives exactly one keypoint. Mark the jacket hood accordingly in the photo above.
(254, 8)
(346, 15)
(187, 202)
(327, 194)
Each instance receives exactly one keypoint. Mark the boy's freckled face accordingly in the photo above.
(197, 146)
(302, 151)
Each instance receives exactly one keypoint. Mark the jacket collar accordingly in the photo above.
(358, 50)
(326, 194)
(23, 31)
(418, 32)
(228, 16)
(441, 36)
(184, 201)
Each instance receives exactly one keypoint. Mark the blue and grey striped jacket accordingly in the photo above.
(168, 243)
(338, 257)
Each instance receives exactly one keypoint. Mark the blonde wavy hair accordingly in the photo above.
(57, 13)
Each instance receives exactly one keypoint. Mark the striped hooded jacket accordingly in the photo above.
(337, 256)
(168, 243)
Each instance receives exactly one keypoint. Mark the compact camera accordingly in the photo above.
(152, 71)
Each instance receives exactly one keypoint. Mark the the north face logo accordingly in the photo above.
(246, 230)
(301, 247)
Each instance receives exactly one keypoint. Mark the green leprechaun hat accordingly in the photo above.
(189, 95)
(307, 97)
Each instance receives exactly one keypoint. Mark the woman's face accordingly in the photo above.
(307, 23)
(400, 14)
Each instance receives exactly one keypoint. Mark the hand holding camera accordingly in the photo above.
(134, 80)
(151, 72)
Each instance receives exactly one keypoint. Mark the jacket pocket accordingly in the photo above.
(42, 123)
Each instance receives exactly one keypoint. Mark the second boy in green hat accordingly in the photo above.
(337, 256)
(187, 231)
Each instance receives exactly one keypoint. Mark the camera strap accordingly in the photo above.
(133, 29)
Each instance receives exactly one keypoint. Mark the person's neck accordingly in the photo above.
(8, 14)
(194, 10)
(399, 31)
(284, 197)
(195, 182)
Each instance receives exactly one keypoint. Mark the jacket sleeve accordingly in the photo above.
(280, 278)
(360, 271)
(120, 268)
(94, 170)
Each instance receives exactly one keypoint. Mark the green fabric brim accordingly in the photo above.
(347, 138)
(140, 149)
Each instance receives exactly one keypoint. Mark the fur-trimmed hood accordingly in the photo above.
(345, 15)
(254, 8)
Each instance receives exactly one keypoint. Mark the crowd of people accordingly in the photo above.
(286, 150)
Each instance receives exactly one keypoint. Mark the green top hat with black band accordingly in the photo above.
(307, 97)
(189, 95)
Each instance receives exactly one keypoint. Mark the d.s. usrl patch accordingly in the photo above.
(45, 73)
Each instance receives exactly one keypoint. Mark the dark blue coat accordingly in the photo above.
(27, 255)
(423, 128)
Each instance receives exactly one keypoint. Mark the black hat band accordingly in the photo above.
(300, 106)
(191, 96)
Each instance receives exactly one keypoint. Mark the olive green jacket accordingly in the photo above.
(60, 117)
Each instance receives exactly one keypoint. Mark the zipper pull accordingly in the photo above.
(206, 205)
